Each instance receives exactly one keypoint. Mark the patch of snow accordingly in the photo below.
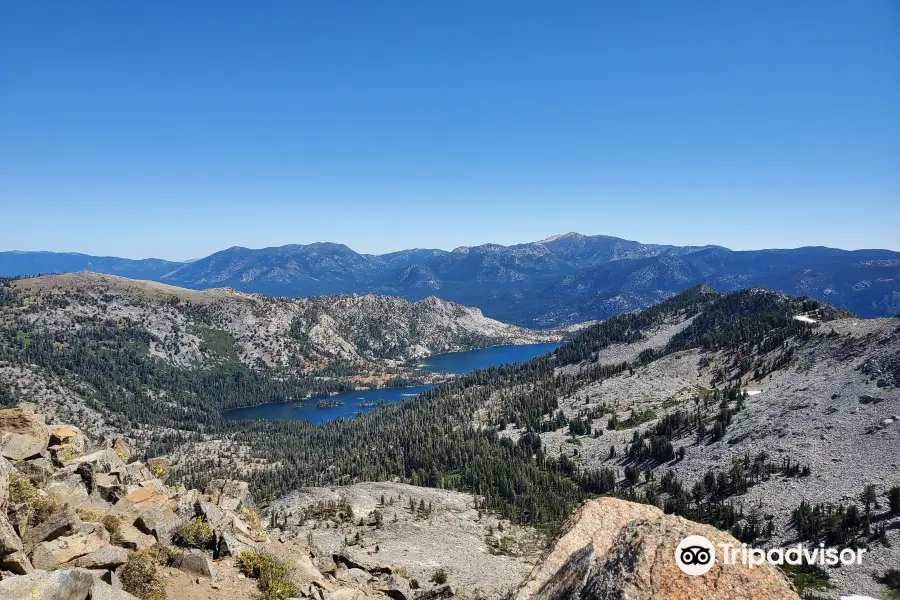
(805, 319)
(754, 392)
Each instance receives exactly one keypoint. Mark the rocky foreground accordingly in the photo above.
(79, 522)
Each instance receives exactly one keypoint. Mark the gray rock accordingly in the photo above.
(17, 563)
(132, 538)
(88, 474)
(109, 487)
(122, 448)
(103, 461)
(395, 587)
(160, 522)
(103, 591)
(196, 562)
(36, 469)
(112, 579)
(160, 467)
(229, 494)
(57, 525)
(319, 593)
(357, 576)
(342, 558)
(135, 473)
(187, 504)
(65, 483)
(435, 593)
(9, 540)
(5, 469)
(66, 584)
(228, 544)
(109, 557)
(212, 513)
(23, 434)
(50, 555)
(17, 446)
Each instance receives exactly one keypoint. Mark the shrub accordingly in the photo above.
(113, 525)
(439, 577)
(271, 572)
(400, 572)
(140, 578)
(196, 533)
(807, 578)
(88, 516)
(890, 579)
(894, 499)
(21, 491)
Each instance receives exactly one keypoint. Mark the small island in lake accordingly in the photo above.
(329, 403)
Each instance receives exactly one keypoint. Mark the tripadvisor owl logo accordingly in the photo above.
(695, 555)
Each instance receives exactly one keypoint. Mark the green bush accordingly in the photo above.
(21, 491)
(271, 572)
(891, 579)
(439, 577)
(140, 577)
(807, 578)
(196, 533)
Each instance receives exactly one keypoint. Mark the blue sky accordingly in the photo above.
(175, 129)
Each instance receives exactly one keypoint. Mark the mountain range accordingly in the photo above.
(562, 279)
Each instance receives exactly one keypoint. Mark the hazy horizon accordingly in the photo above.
(448, 249)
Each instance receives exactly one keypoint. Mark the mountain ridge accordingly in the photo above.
(559, 280)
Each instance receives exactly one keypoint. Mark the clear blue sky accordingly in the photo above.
(173, 129)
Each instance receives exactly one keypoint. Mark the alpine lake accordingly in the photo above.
(347, 405)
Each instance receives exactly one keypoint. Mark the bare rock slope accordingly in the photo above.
(196, 327)
(422, 530)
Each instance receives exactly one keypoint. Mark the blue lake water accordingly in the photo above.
(453, 362)
(286, 411)
(464, 362)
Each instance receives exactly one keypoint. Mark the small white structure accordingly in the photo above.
(805, 319)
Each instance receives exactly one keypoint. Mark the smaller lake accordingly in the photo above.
(285, 411)
(465, 362)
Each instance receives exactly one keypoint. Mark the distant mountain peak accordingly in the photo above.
(559, 236)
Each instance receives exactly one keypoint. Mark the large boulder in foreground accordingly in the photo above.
(596, 523)
(637, 560)
(66, 584)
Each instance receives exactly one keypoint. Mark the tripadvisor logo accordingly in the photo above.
(696, 555)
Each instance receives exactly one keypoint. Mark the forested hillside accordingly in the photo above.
(170, 357)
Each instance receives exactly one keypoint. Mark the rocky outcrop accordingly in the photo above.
(23, 434)
(67, 584)
(72, 539)
(617, 549)
(72, 524)
(69, 524)
(595, 524)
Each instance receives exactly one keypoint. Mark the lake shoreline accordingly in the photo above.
(350, 403)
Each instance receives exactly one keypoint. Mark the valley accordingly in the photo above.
(749, 412)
